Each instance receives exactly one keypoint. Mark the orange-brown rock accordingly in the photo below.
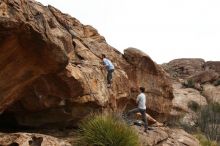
(144, 72)
(51, 71)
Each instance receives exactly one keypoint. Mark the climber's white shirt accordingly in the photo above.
(141, 100)
(108, 64)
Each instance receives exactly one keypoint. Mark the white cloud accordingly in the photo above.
(164, 29)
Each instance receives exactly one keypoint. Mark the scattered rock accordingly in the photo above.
(30, 139)
(163, 136)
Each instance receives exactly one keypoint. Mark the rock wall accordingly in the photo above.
(51, 71)
(193, 69)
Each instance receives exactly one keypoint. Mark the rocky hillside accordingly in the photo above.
(194, 80)
(52, 76)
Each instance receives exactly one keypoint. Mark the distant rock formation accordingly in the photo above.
(193, 68)
(51, 72)
(213, 65)
(194, 82)
(185, 67)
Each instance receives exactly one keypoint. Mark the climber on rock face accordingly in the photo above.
(141, 101)
(110, 69)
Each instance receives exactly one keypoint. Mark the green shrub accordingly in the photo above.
(107, 130)
(217, 83)
(194, 106)
(204, 141)
(190, 83)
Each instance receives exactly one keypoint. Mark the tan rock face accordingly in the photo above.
(183, 96)
(51, 70)
(212, 93)
(186, 102)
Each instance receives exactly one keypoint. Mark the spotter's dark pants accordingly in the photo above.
(143, 114)
(109, 76)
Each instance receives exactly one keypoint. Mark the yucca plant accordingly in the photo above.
(107, 130)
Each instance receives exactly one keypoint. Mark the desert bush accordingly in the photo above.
(209, 121)
(204, 141)
(194, 106)
(189, 83)
(217, 83)
(107, 130)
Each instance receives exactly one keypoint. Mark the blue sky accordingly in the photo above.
(164, 29)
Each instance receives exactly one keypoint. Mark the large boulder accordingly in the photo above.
(186, 102)
(144, 72)
(184, 96)
(29, 47)
(212, 93)
(51, 70)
